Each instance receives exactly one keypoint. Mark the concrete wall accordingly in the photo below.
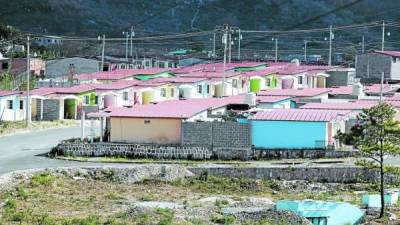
(339, 78)
(375, 63)
(216, 134)
(51, 109)
(287, 134)
(145, 130)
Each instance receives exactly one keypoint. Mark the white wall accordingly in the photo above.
(395, 69)
(15, 114)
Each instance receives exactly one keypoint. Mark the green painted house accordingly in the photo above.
(149, 76)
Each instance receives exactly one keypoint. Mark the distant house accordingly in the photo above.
(12, 106)
(369, 66)
(62, 67)
(300, 96)
(48, 40)
(63, 103)
(122, 74)
(296, 128)
(274, 102)
(323, 212)
(161, 123)
(340, 77)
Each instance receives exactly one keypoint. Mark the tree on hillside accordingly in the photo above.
(377, 135)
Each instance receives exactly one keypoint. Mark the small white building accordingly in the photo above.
(12, 107)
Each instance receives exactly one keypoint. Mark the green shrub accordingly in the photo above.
(223, 219)
(166, 216)
(43, 179)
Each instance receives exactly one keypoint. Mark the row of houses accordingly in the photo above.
(278, 100)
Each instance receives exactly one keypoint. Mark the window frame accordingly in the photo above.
(10, 104)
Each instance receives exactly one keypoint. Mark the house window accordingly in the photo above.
(172, 92)
(21, 104)
(96, 100)
(199, 88)
(268, 82)
(87, 99)
(300, 80)
(4, 66)
(163, 92)
(146, 121)
(234, 83)
(125, 96)
(208, 89)
(9, 104)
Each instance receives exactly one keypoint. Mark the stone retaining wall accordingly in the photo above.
(133, 151)
(295, 154)
(329, 174)
(190, 152)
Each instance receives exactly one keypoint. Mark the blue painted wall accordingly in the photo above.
(287, 134)
(334, 213)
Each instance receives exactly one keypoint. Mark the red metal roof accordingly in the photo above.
(341, 90)
(211, 74)
(120, 74)
(215, 67)
(376, 88)
(358, 105)
(305, 92)
(182, 109)
(299, 115)
(271, 99)
(7, 93)
(390, 53)
(179, 80)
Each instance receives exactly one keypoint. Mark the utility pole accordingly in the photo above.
(383, 35)
(225, 43)
(239, 39)
(126, 44)
(276, 49)
(102, 52)
(381, 88)
(330, 45)
(363, 45)
(132, 35)
(214, 56)
(230, 44)
(305, 51)
(28, 77)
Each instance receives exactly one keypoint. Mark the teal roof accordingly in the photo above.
(309, 208)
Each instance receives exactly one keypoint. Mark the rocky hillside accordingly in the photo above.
(91, 17)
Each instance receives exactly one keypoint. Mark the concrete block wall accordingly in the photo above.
(51, 109)
(216, 134)
(378, 63)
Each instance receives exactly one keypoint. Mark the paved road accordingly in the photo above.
(24, 151)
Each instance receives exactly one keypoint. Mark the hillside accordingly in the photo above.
(91, 17)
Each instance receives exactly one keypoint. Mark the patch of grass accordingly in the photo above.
(166, 216)
(221, 203)
(43, 179)
(223, 219)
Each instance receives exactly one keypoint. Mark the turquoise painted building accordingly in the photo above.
(324, 213)
(294, 129)
(288, 134)
(374, 200)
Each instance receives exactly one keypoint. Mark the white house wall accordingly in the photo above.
(14, 114)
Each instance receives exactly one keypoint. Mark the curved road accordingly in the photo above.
(25, 150)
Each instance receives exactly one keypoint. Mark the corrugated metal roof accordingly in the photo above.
(305, 92)
(299, 115)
